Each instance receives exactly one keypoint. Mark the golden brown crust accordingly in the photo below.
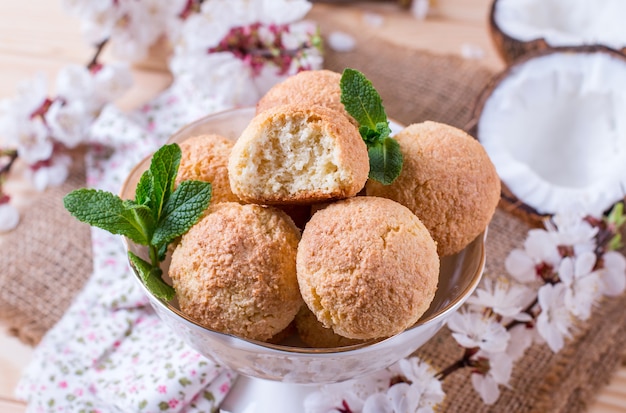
(447, 180)
(307, 88)
(367, 267)
(314, 334)
(205, 158)
(235, 272)
(349, 146)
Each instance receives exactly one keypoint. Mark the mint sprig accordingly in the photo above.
(158, 214)
(363, 103)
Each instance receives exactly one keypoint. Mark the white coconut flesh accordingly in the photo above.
(564, 22)
(555, 129)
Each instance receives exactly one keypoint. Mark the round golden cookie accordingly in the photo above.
(367, 267)
(314, 334)
(447, 180)
(307, 88)
(205, 158)
(235, 270)
(298, 155)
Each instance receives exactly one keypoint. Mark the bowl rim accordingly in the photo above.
(451, 306)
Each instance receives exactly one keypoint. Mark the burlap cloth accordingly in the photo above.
(49, 255)
(44, 261)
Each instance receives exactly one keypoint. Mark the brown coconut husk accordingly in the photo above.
(508, 200)
(509, 48)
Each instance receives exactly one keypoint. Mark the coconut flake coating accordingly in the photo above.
(367, 267)
(447, 180)
(205, 158)
(235, 270)
(307, 88)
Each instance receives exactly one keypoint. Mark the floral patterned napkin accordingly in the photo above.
(110, 352)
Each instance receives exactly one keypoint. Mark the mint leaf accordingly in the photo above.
(363, 103)
(107, 211)
(182, 210)
(163, 168)
(156, 216)
(143, 192)
(385, 160)
(151, 276)
(361, 100)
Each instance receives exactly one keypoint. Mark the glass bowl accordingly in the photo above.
(289, 363)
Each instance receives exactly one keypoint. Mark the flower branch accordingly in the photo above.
(38, 129)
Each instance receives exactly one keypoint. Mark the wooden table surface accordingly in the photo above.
(38, 36)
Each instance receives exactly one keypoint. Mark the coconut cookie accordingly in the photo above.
(314, 334)
(367, 267)
(298, 155)
(235, 270)
(205, 158)
(307, 88)
(447, 180)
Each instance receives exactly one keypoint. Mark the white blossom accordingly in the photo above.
(282, 11)
(351, 392)
(373, 394)
(68, 122)
(613, 275)
(503, 297)
(378, 403)
(111, 82)
(34, 143)
(571, 229)
(93, 89)
(521, 339)
(488, 384)
(97, 17)
(472, 329)
(554, 321)
(401, 397)
(9, 217)
(138, 26)
(53, 173)
(75, 82)
(341, 41)
(540, 248)
(423, 381)
(221, 75)
(20, 127)
(581, 282)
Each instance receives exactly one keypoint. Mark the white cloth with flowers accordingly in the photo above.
(110, 352)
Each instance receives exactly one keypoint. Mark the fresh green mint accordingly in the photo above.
(364, 104)
(158, 214)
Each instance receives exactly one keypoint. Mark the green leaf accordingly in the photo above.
(140, 265)
(151, 277)
(163, 167)
(361, 99)
(363, 103)
(615, 243)
(385, 161)
(143, 192)
(616, 216)
(107, 211)
(182, 210)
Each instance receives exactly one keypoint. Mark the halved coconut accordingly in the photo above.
(521, 26)
(554, 125)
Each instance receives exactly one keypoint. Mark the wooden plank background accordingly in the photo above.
(39, 37)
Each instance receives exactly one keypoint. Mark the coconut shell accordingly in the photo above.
(511, 49)
(508, 200)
